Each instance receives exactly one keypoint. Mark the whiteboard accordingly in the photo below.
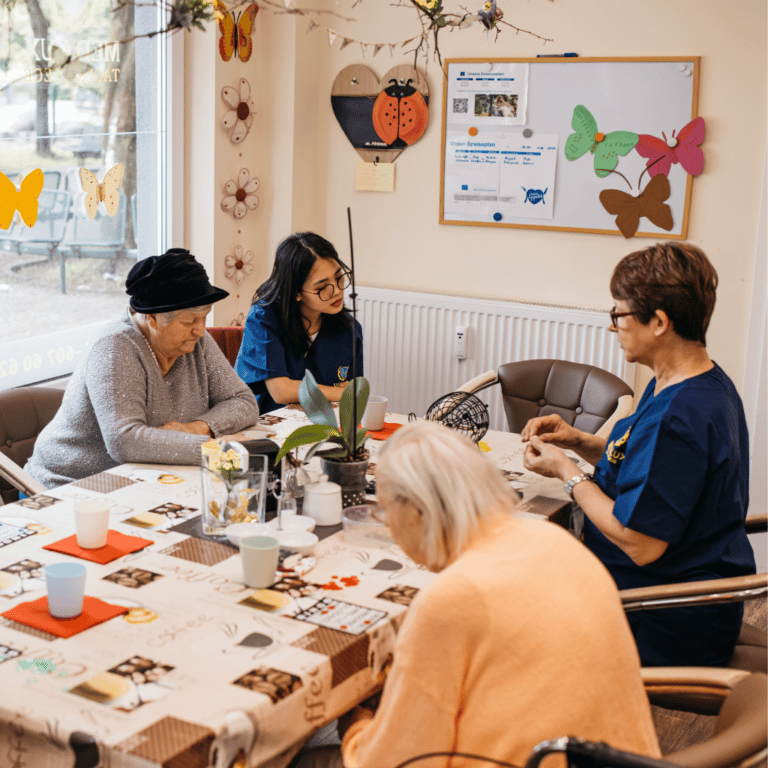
(640, 95)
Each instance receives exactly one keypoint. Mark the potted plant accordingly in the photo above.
(347, 463)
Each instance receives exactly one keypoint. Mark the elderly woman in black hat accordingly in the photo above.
(153, 388)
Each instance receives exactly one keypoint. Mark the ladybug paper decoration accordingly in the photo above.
(400, 114)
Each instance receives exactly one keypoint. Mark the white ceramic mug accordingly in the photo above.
(65, 584)
(259, 555)
(92, 523)
(373, 418)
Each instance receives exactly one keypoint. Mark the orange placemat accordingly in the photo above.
(35, 614)
(118, 544)
(386, 431)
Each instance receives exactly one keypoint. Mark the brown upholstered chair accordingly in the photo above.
(229, 341)
(739, 739)
(23, 414)
(586, 397)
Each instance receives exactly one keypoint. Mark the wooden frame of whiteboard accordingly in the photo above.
(576, 60)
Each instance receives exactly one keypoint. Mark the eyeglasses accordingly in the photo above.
(327, 291)
(614, 315)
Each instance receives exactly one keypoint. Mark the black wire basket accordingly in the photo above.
(463, 412)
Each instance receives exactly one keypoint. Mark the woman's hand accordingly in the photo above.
(350, 718)
(192, 427)
(552, 429)
(548, 460)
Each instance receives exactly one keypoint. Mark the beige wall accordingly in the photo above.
(307, 166)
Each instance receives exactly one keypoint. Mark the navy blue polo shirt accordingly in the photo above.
(678, 470)
(265, 353)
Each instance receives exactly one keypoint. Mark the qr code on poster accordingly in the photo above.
(460, 106)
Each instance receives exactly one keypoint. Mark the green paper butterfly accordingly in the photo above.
(605, 147)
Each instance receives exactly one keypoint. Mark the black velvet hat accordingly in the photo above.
(175, 280)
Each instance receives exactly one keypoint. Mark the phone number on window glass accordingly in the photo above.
(34, 362)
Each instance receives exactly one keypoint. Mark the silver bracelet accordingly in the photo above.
(574, 481)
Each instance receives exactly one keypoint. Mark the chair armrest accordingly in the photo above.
(690, 689)
(483, 380)
(733, 590)
(757, 522)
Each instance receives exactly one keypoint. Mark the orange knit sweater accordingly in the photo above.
(521, 639)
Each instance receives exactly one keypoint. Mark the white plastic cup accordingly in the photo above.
(373, 418)
(65, 584)
(259, 555)
(92, 523)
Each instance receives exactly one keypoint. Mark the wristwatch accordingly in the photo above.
(574, 481)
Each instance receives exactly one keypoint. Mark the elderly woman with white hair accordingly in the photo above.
(521, 637)
(153, 388)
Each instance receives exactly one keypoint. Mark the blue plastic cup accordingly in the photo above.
(65, 583)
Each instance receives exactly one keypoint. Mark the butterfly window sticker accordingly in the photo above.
(660, 154)
(22, 199)
(236, 31)
(108, 192)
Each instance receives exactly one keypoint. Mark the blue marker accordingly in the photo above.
(557, 55)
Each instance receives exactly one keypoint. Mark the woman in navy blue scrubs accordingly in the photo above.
(671, 486)
(298, 322)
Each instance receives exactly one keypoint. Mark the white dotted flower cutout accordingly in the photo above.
(239, 265)
(240, 197)
(241, 111)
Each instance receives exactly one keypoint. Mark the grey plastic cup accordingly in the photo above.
(259, 555)
(65, 584)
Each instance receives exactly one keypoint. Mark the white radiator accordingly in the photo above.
(410, 343)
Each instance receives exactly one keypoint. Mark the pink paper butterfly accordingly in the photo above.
(683, 148)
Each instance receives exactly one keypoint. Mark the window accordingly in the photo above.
(97, 121)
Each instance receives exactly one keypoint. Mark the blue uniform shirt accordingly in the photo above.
(266, 354)
(678, 470)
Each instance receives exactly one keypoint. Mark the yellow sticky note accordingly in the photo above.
(375, 177)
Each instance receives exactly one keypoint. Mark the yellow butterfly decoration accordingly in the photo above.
(23, 200)
(107, 192)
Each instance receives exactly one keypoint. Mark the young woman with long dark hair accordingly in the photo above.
(298, 322)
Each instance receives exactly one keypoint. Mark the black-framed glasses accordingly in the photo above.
(327, 291)
(614, 315)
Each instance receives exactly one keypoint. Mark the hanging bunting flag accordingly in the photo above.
(288, 4)
(363, 48)
(346, 42)
(331, 37)
(377, 48)
(392, 47)
(312, 26)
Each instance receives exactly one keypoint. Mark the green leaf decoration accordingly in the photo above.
(309, 433)
(606, 148)
(335, 455)
(315, 403)
(363, 390)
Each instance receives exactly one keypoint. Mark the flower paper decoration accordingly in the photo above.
(240, 194)
(241, 110)
(239, 320)
(239, 265)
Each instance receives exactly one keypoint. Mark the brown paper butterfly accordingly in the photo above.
(649, 203)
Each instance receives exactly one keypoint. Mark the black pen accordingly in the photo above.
(557, 55)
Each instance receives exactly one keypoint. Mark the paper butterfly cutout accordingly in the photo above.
(649, 203)
(236, 31)
(604, 146)
(683, 149)
(23, 200)
(107, 192)
(68, 68)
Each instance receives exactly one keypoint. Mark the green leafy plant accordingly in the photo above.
(324, 427)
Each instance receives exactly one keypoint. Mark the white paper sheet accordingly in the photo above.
(505, 174)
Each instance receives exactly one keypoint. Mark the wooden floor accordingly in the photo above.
(677, 730)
